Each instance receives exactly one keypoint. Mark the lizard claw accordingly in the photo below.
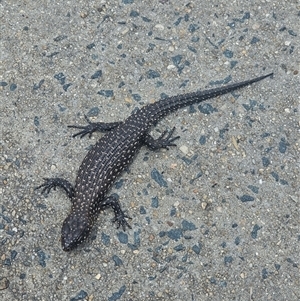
(121, 221)
(165, 142)
(47, 185)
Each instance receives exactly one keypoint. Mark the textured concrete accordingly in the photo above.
(215, 218)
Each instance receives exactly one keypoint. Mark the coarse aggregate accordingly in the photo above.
(215, 218)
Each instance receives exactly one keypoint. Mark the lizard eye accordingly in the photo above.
(75, 229)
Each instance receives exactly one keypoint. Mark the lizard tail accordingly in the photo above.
(168, 105)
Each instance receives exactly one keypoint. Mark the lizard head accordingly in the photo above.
(75, 230)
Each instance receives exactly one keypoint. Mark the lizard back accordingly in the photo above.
(116, 149)
(108, 158)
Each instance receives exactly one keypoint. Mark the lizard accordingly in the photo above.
(113, 153)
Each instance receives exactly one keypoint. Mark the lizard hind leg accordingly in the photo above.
(50, 183)
(162, 141)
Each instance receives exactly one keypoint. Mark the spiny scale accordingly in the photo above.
(114, 152)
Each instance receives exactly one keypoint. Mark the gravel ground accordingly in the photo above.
(215, 218)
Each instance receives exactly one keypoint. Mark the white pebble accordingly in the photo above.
(184, 149)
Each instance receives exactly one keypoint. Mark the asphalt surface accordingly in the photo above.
(215, 218)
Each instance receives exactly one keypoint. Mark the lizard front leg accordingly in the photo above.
(93, 127)
(120, 217)
(57, 182)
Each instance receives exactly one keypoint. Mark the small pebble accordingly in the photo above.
(184, 149)
(159, 27)
(219, 209)
(170, 67)
(124, 31)
(4, 283)
(83, 15)
(203, 205)
(255, 26)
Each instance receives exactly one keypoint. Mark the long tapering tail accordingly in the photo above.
(168, 105)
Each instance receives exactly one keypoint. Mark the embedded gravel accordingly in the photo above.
(215, 218)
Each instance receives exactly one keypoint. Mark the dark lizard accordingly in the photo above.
(112, 154)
